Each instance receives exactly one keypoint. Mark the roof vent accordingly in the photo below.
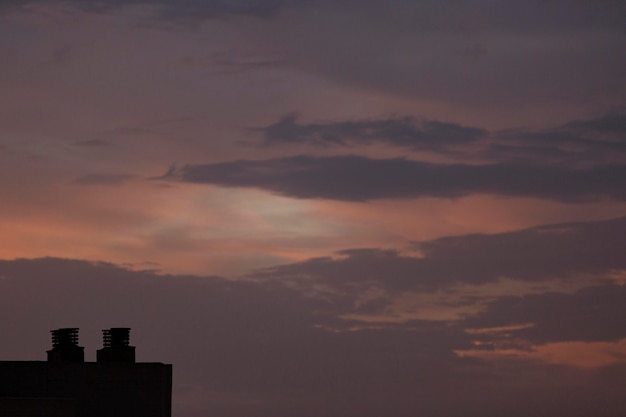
(65, 346)
(116, 346)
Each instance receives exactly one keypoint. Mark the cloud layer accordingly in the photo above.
(402, 132)
(405, 208)
(557, 252)
(355, 178)
(274, 345)
(183, 9)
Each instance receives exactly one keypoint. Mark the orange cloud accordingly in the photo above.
(587, 355)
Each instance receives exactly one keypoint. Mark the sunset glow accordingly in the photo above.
(324, 208)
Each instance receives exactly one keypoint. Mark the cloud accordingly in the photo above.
(373, 286)
(534, 254)
(103, 179)
(403, 132)
(171, 9)
(614, 122)
(570, 251)
(594, 141)
(563, 149)
(591, 314)
(355, 178)
(262, 348)
(252, 340)
(519, 56)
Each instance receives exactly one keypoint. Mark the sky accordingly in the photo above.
(323, 208)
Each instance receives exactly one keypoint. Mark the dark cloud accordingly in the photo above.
(13, 4)
(539, 254)
(103, 179)
(517, 56)
(355, 178)
(460, 17)
(615, 122)
(241, 348)
(466, 52)
(594, 141)
(592, 314)
(564, 141)
(251, 341)
(582, 252)
(526, 147)
(403, 132)
(170, 9)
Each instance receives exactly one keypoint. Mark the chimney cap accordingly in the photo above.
(64, 337)
(116, 346)
(116, 337)
(65, 346)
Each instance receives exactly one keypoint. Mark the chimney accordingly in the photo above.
(65, 346)
(116, 348)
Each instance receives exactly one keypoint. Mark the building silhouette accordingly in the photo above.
(67, 386)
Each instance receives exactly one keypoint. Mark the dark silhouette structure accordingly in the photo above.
(116, 348)
(67, 386)
(65, 347)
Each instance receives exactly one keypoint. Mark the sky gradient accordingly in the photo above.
(323, 208)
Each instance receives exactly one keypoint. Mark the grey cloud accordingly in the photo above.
(545, 253)
(595, 141)
(467, 17)
(538, 253)
(242, 348)
(559, 139)
(591, 141)
(171, 9)
(592, 314)
(195, 9)
(403, 132)
(581, 252)
(615, 122)
(252, 341)
(526, 147)
(13, 4)
(471, 53)
(355, 178)
(103, 179)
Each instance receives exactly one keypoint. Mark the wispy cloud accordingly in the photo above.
(594, 141)
(405, 132)
(170, 9)
(263, 340)
(539, 254)
(103, 179)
